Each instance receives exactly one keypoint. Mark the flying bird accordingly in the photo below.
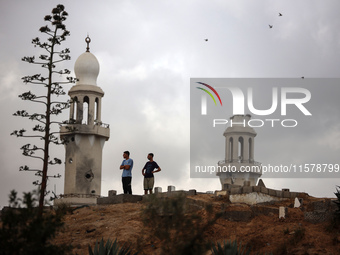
(280, 14)
(206, 40)
(270, 26)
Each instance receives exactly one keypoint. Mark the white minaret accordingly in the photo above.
(83, 158)
(239, 152)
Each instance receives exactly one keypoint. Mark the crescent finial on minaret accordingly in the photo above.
(88, 40)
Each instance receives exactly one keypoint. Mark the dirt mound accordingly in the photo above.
(263, 232)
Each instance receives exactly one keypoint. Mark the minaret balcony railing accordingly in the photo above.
(101, 124)
(250, 161)
(97, 123)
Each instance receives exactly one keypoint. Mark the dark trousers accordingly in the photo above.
(127, 185)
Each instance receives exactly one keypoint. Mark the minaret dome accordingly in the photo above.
(86, 67)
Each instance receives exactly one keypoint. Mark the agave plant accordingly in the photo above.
(229, 248)
(110, 248)
(337, 202)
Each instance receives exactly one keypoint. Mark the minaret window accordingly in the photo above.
(86, 110)
(240, 149)
(250, 151)
(75, 105)
(74, 109)
(230, 156)
(96, 109)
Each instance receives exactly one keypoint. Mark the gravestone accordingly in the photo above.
(261, 183)
(282, 212)
(297, 203)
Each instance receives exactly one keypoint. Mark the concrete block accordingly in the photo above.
(264, 190)
(285, 194)
(112, 193)
(278, 193)
(192, 192)
(282, 212)
(257, 189)
(221, 193)
(171, 188)
(235, 191)
(246, 183)
(158, 190)
(272, 192)
(247, 189)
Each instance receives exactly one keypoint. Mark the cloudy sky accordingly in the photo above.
(148, 51)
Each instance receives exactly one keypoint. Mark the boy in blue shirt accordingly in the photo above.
(126, 166)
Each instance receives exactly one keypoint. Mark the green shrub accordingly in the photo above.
(337, 202)
(110, 248)
(24, 231)
(334, 224)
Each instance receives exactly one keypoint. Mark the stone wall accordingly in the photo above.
(242, 203)
(320, 211)
(284, 193)
(113, 198)
(119, 199)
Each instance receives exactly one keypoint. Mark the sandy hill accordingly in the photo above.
(264, 232)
